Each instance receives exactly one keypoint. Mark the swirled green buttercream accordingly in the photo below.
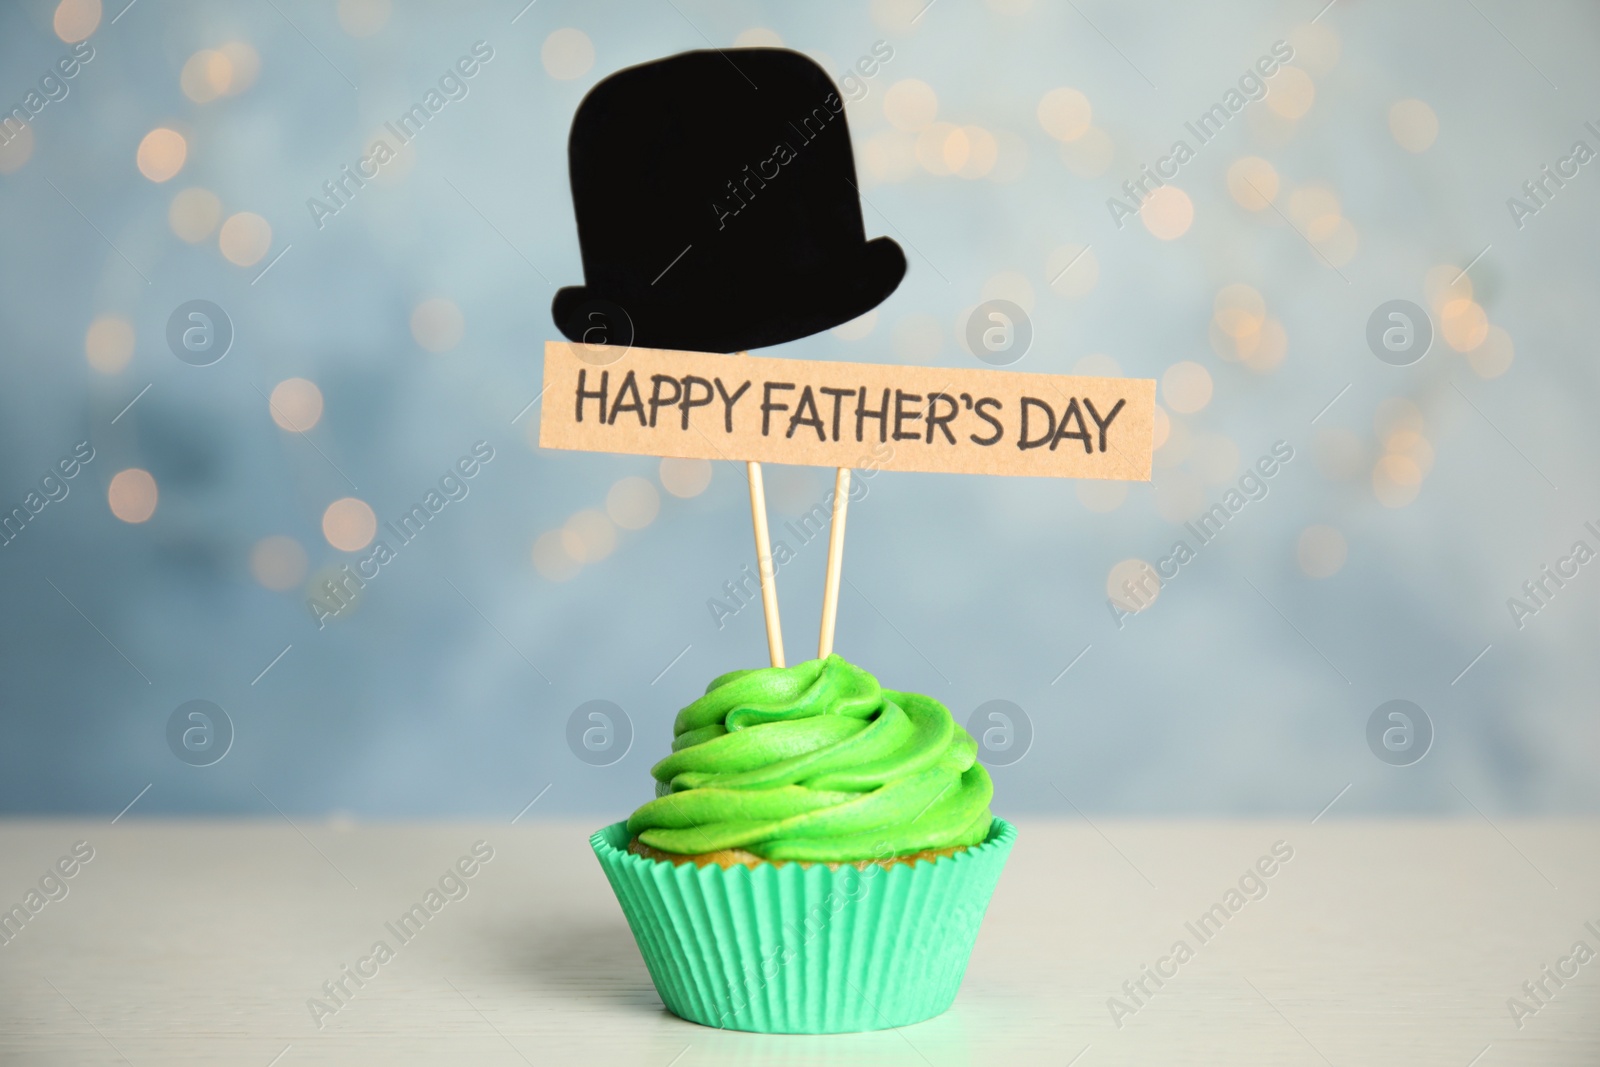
(815, 762)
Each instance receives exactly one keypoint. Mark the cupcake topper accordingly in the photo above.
(717, 211)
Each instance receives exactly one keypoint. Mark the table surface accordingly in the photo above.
(1375, 943)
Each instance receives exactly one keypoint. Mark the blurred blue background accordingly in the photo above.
(408, 326)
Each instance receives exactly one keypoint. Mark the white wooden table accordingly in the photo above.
(1377, 943)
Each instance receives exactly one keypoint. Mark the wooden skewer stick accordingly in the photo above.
(769, 577)
(830, 590)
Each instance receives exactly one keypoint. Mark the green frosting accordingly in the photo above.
(815, 762)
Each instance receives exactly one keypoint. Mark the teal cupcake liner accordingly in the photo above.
(786, 949)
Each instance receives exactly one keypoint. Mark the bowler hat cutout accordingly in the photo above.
(717, 208)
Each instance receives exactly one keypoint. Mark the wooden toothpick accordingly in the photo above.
(769, 577)
(830, 589)
(769, 574)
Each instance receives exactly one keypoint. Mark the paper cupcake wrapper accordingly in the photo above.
(805, 950)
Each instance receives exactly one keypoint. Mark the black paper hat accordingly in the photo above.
(716, 200)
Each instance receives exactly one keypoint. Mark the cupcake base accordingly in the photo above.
(730, 857)
(805, 948)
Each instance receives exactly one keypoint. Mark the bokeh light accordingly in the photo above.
(245, 239)
(349, 524)
(1133, 585)
(588, 536)
(1186, 387)
(1012, 285)
(1270, 346)
(206, 75)
(1320, 551)
(75, 20)
(1413, 125)
(897, 17)
(399, 168)
(1314, 208)
(633, 503)
(1167, 212)
(1336, 239)
(1160, 427)
(1493, 357)
(1253, 183)
(760, 37)
(1065, 114)
(437, 324)
(278, 563)
(978, 153)
(363, 18)
(1100, 496)
(17, 150)
(1238, 310)
(910, 105)
(132, 495)
(1290, 92)
(857, 328)
(1413, 446)
(1269, 131)
(957, 148)
(1316, 47)
(245, 63)
(1445, 283)
(1233, 349)
(108, 344)
(932, 151)
(888, 157)
(295, 404)
(1463, 324)
(1177, 441)
(1395, 414)
(161, 154)
(1396, 481)
(685, 477)
(567, 54)
(194, 214)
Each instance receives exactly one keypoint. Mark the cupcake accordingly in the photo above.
(817, 859)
